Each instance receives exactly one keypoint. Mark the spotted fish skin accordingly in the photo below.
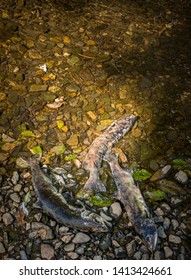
(55, 205)
(99, 147)
(131, 197)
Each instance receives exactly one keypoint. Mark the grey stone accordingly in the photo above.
(174, 223)
(137, 255)
(157, 255)
(2, 248)
(73, 255)
(69, 247)
(23, 255)
(159, 212)
(168, 252)
(81, 237)
(105, 242)
(15, 197)
(47, 251)
(174, 239)
(17, 187)
(80, 250)
(161, 232)
(130, 248)
(7, 219)
(166, 223)
(15, 177)
(97, 257)
(181, 177)
(115, 210)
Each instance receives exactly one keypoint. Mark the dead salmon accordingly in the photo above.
(56, 206)
(131, 197)
(99, 147)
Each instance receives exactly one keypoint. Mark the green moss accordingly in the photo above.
(157, 195)
(179, 163)
(70, 157)
(141, 175)
(100, 201)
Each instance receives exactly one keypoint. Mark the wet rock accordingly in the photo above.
(161, 232)
(174, 239)
(81, 237)
(131, 248)
(105, 242)
(17, 188)
(146, 151)
(33, 54)
(153, 165)
(175, 224)
(161, 173)
(172, 135)
(23, 255)
(73, 255)
(69, 247)
(73, 88)
(145, 83)
(2, 248)
(97, 257)
(15, 177)
(157, 255)
(170, 187)
(115, 210)
(137, 255)
(7, 219)
(15, 197)
(166, 223)
(42, 230)
(2, 96)
(181, 177)
(80, 250)
(37, 88)
(47, 251)
(168, 252)
(73, 140)
(120, 253)
(159, 212)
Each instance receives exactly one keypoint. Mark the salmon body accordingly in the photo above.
(99, 147)
(131, 197)
(56, 206)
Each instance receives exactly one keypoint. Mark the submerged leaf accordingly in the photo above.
(70, 157)
(27, 198)
(60, 124)
(27, 133)
(141, 175)
(36, 150)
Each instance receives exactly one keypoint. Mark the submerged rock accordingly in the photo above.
(161, 173)
(181, 177)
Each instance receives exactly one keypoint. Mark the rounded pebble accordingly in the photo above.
(47, 251)
(81, 237)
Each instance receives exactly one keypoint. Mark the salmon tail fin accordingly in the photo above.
(92, 186)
